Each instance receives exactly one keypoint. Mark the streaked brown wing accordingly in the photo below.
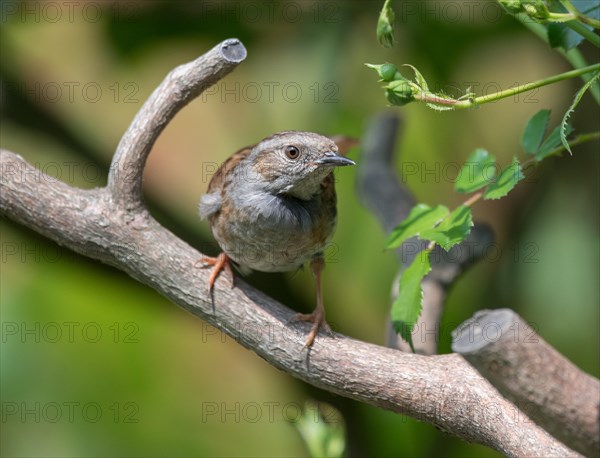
(230, 163)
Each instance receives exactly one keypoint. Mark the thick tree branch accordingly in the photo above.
(532, 374)
(112, 225)
(178, 89)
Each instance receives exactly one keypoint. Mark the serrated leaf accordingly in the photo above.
(452, 230)
(551, 143)
(420, 218)
(576, 100)
(506, 181)
(439, 107)
(407, 306)
(419, 79)
(534, 131)
(478, 171)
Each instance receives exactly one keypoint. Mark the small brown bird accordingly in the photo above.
(272, 208)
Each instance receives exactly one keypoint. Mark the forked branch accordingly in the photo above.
(112, 225)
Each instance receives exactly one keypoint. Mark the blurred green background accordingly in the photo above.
(94, 364)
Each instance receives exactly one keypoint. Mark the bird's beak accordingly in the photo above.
(334, 160)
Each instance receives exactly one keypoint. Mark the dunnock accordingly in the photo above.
(272, 208)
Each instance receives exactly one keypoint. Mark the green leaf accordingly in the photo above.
(576, 100)
(507, 180)
(323, 430)
(407, 306)
(452, 230)
(419, 78)
(534, 131)
(478, 171)
(561, 36)
(551, 143)
(420, 218)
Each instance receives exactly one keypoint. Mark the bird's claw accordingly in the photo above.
(317, 318)
(218, 264)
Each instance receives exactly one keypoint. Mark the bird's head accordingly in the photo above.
(295, 163)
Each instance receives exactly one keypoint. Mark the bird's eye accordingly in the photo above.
(292, 152)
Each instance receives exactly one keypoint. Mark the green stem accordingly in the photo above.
(474, 198)
(561, 17)
(583, 138)
(582, 30)
(578, 15)
(576, 59)
(458, 104)
(573, 55)
(595, 23)
(576, 141)
(570, 7)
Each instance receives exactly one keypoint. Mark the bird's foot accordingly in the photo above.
(317, 318)
(218, 264)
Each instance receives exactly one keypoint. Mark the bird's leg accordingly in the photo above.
(317, 317)
(218, 264)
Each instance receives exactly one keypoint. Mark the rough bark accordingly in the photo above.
(112, 225)
(534, 376)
